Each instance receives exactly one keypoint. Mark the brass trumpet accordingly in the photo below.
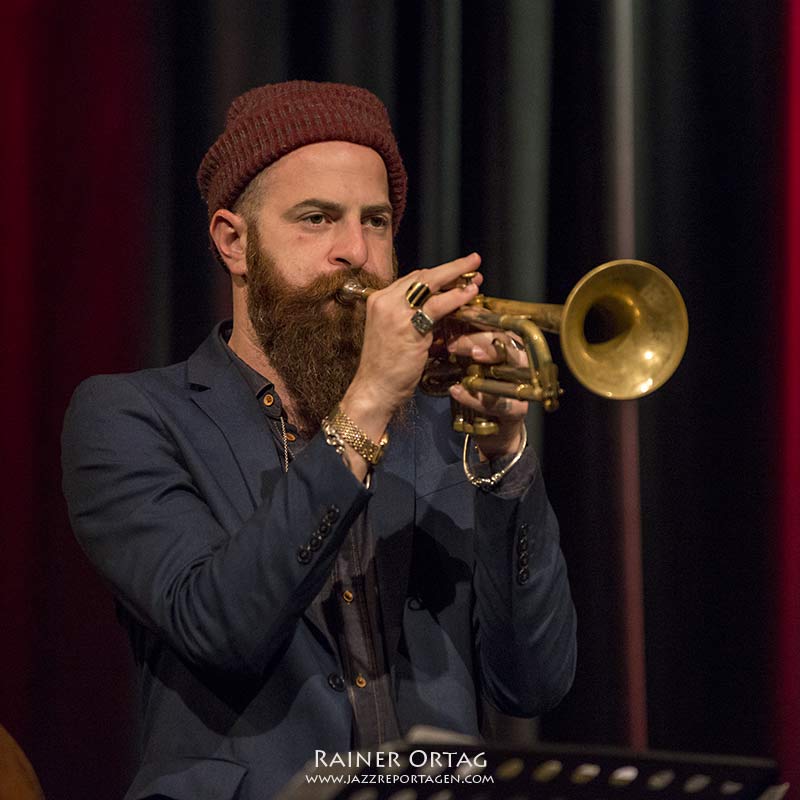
(623, 332)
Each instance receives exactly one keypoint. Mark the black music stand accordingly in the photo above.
(423, 770)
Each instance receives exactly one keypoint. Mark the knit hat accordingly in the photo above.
(266, 123)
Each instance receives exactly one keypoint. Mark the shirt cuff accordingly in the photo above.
(518, 478)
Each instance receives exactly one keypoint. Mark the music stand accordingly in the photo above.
(450, 769)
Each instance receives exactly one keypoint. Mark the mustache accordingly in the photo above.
(326, 287)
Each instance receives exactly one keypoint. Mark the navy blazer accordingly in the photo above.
(177, 495)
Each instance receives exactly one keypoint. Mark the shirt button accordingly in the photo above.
(336, 682)
(347, 596)
(268, 399)
(361, 681)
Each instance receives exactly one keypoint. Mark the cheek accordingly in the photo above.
(381, 263)
(300, 261)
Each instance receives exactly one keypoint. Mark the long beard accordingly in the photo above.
(313, 342)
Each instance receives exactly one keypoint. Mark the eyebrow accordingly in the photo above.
(337, 208)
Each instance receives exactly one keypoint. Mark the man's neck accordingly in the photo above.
(244, 344)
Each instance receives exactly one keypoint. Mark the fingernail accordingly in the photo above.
(478, 352)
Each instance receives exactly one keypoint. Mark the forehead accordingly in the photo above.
(331, 166)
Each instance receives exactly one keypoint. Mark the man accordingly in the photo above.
(300, 558)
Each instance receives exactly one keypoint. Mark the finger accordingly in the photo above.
(439, 277)
(489, 347)
(512, 348)
(440, 305)
(442, 277)
(447, 294)
(491, 405)
(483, 346)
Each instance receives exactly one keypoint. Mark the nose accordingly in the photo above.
(349, 248)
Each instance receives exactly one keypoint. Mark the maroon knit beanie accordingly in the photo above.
(266, 123)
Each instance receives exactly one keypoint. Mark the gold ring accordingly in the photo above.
(417, 294)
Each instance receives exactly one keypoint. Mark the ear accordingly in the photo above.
(229, 233)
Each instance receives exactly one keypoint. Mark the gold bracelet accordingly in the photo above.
(492, 480)
(340, 428)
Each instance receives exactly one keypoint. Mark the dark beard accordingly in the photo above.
(314, 344)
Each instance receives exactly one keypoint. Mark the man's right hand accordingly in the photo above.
(395, 352)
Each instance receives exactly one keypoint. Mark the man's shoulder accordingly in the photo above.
(173, 382)
(170, 379)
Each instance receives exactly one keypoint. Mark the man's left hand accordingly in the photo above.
(492, 347)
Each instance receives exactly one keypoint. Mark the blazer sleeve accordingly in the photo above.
(524, 616)
(222, 600)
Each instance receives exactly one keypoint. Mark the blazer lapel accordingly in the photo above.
(219, 389)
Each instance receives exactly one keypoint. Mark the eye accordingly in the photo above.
(378, 222)
(314, 219)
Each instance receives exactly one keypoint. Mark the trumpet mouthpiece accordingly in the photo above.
(351, 291)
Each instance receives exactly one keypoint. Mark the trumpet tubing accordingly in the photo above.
(623, 331)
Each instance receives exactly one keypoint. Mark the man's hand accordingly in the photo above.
(395, 352)
(493, 347)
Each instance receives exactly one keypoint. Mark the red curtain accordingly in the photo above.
(74, 145)
(788, 686)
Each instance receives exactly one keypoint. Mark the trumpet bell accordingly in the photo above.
(624, 329)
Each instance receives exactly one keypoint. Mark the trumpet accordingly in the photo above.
(623, 330)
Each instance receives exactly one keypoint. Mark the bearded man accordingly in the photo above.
(299, 555)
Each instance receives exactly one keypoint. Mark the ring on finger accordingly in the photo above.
(417, 294)
(422, 322)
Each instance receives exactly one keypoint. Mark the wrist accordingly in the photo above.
(368, 409)
(500, 444)
(490, 481)
(341, 430)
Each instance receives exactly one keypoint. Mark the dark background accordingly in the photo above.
(505, 116)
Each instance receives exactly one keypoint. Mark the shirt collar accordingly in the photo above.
(261, 387)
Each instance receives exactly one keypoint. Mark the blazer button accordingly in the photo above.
(323, 530)
(303, 555)
(332, 514)
(336, 682)
(523, 575)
